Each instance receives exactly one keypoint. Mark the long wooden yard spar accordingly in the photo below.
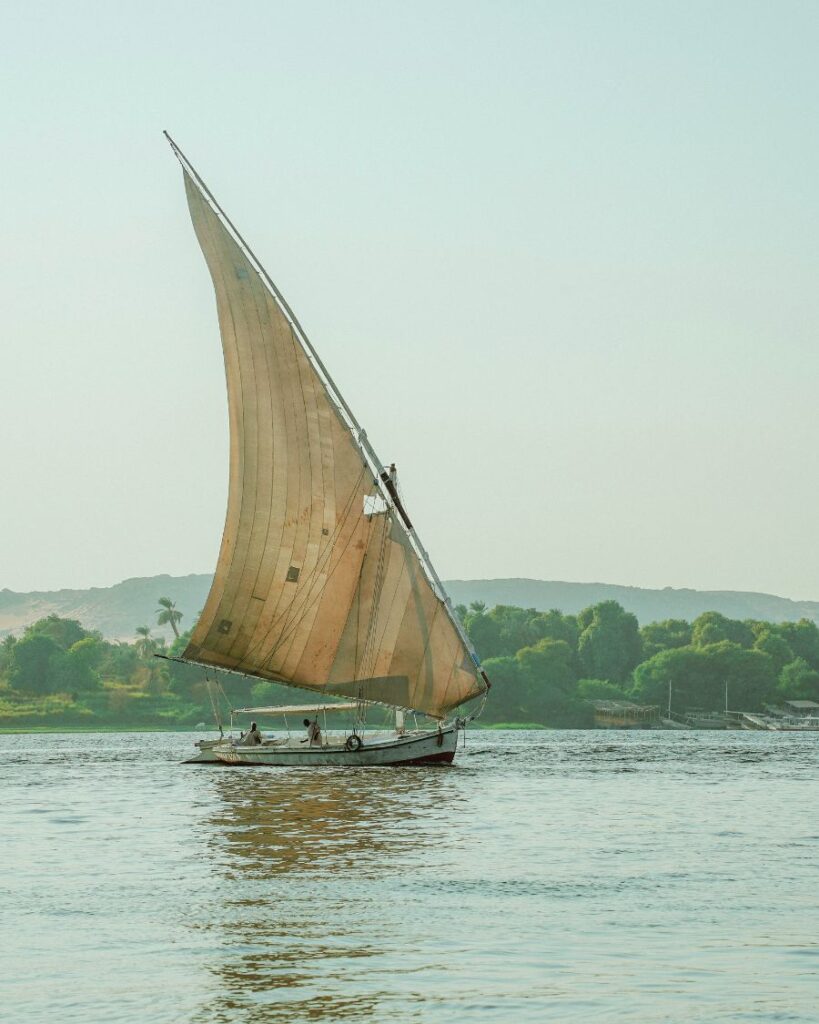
(322, 582)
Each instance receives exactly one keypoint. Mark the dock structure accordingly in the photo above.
(804, 708)
(792, 716)
(622, 714)
(753, 723)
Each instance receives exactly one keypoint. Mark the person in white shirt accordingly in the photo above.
(252, 738)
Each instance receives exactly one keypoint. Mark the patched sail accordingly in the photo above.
(320, 582)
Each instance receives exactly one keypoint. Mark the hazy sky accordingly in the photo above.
(561, 258)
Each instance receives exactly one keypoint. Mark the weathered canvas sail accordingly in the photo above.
(318, 583)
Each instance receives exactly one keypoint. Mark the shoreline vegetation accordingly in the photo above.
(546, 669)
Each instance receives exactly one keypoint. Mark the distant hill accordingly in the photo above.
(117, 611)
(647, 605)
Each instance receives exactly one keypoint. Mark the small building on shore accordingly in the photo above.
(622, 714)
(802, 707)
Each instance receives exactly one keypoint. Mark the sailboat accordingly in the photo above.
(322, 582)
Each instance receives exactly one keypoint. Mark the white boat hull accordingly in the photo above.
(417, 748)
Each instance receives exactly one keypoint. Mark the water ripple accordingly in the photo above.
(635, 877)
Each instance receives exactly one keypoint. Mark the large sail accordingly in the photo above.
(319, 582)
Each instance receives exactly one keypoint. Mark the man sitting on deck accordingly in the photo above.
(313, 732)
(252, 737)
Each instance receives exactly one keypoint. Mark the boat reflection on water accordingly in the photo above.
(315, 871)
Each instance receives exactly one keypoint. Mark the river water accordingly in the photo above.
(547, 876)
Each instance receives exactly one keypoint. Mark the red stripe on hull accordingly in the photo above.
(446, 758)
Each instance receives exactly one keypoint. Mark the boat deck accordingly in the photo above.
(383, 748)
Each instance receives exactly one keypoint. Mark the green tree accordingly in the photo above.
(270, 694)
(6, 648)
(506, 629)
(557, 626)
(75, 670)
(63, 632)
(187, 679)
(157, 682)
(548, 690)
(547, 663)
(664, 636)
(31, 663)
(698, 677)
(181, 642)
(506, 699)
(681, 668)
(609, 646)
(167, 614)
(750, 676)
(484, 632)
(803, 639)
(798, 681)
(599, 689)
(518, 627)
(146, 645)
(119, 660)
(713, 628)
(773, 644)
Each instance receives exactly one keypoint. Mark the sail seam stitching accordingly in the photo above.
(358, 433)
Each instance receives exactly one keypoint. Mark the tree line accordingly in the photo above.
(545, 667)
(59, 672)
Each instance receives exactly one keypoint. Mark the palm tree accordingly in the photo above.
(167, 613)
(146, 645)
